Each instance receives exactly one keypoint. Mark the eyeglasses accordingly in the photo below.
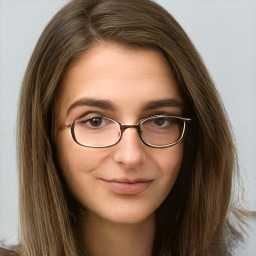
(159, 131)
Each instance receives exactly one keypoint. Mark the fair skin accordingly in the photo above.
(120, 186)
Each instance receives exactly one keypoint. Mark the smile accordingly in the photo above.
(126, 187)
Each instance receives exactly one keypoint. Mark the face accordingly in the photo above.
(127, 182)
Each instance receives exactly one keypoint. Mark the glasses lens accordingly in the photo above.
(162, 130)
(96, 132)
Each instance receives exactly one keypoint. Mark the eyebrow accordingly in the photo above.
(169, 102)
(104, 104)
(108, 105)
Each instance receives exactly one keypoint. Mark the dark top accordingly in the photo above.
(7, 252)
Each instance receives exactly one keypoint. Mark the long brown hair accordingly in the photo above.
(193, 218)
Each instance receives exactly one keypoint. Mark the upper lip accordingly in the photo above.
(127, 180)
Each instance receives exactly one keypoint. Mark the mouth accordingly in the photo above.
(126, 186)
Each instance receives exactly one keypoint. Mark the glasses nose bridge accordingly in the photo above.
(127, 126)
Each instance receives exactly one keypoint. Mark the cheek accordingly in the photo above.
(169, 161)
(73, 158)
(76, 164)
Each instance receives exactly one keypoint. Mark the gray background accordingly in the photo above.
(224, 32)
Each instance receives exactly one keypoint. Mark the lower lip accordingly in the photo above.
(130, 189)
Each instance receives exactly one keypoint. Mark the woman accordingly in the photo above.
(124, 146)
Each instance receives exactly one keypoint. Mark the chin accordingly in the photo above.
(127, 216)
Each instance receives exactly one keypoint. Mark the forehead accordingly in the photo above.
(120, 74)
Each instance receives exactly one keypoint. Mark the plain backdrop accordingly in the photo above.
(224, 32)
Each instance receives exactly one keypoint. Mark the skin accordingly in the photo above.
(129, 79)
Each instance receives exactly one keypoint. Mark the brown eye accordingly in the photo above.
(159, 121)
(95, 122)
(92, 122)
(163, 122)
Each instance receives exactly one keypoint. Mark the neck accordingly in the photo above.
(100, 237)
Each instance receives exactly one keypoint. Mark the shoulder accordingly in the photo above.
(7, 252)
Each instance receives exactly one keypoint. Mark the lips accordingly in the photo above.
(127, 187)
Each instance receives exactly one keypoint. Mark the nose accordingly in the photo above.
(130, 151)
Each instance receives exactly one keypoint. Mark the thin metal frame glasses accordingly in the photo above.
(154, 131)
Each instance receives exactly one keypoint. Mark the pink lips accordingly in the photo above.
(124, 187)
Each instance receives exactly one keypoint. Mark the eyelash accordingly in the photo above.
(97, 113)
(91, 112)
